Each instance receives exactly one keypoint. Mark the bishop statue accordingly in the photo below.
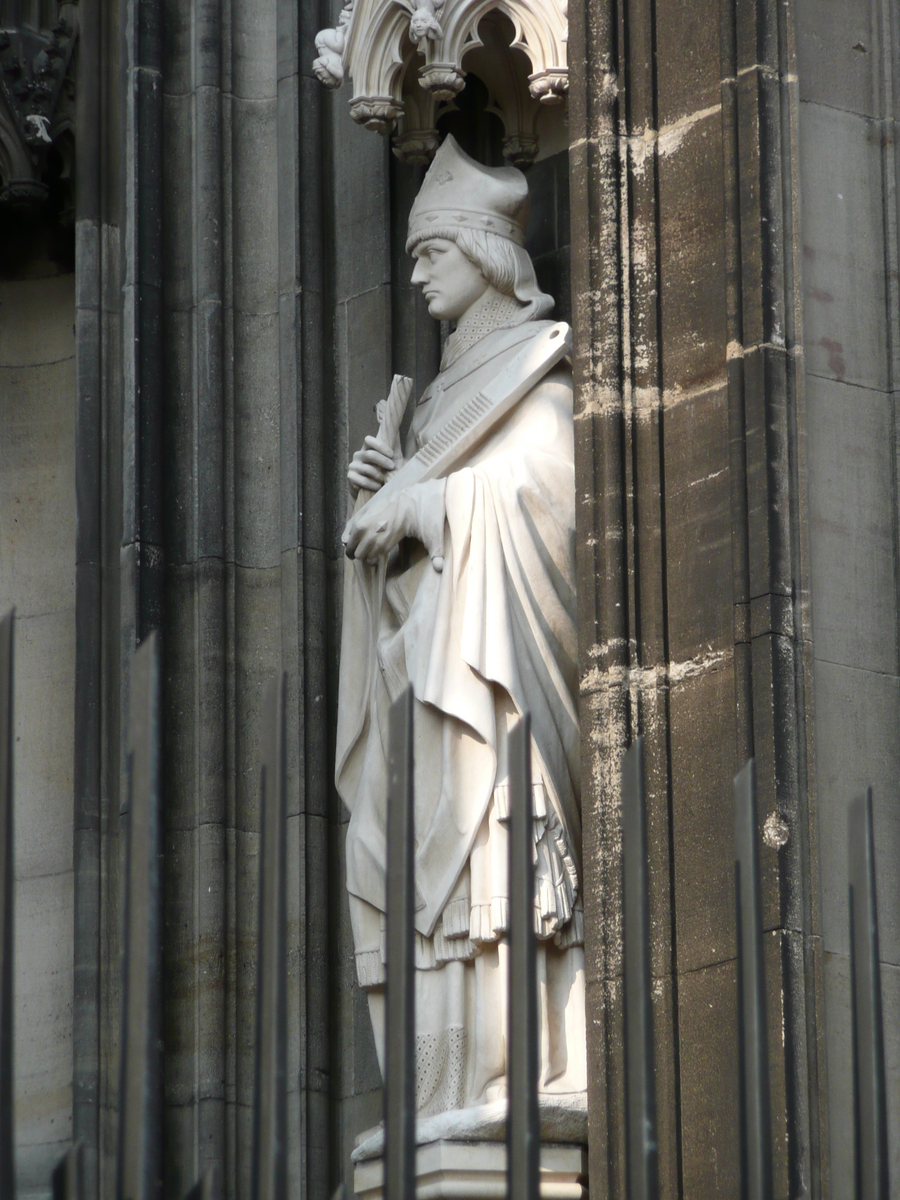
(462, 584)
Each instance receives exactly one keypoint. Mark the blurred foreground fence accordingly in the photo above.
(140, 1168)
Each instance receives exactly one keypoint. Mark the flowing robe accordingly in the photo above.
(490, 636)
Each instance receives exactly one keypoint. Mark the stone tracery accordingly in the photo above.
(408, 58)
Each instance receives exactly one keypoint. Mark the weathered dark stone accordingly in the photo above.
(707, 1023)
(698, 525)
(689, 71)
(691, 250)
(267, 304)
(703, 815)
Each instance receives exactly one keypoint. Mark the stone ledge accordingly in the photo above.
(477, 1171)
(563, 1117)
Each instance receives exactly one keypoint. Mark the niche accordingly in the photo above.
(409, 60)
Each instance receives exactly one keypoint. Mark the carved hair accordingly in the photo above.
(505, 266)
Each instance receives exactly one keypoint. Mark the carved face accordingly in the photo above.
(450, 282)
(421, 25)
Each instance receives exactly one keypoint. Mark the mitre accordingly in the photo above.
(458, 191)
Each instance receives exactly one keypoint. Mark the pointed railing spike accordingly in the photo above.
(6, 905)
(753, 1049)
(523, 1135)
(139, 1165)
(68, 1176)
(400, 1000)
(870, 1105)
(270, 1097)
(640, 1092)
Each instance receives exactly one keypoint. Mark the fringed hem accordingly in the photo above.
(432, 953)
(539, 802)
(442, 949)
(488, 922)
(455, 918)
(370, 969)
(572, 933)
(464, 927)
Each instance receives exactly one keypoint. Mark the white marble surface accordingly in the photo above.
(460, 582)
(563, 1120)
(477, 1171)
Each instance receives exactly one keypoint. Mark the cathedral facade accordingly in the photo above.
(205, 290)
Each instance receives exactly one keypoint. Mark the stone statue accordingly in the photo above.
(424, 21)
(464, 586)
(328, 68)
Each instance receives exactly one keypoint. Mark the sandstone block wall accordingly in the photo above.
(37, 576)
(849, 110)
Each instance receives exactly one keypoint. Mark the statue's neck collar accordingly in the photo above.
(492, 311)
(493, 346)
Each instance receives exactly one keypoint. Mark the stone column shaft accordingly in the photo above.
(692, 569)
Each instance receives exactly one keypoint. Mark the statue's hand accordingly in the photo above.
(371, 465)
(417, 511)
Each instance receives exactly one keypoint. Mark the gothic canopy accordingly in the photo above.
(407, 60)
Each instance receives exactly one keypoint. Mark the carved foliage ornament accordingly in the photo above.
(405, 58)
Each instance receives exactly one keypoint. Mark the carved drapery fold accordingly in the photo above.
(408, 59)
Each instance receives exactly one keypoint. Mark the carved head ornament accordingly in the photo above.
(459, 192)
(424, 20)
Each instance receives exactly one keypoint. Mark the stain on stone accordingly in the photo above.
(821, 295)
(835, 356)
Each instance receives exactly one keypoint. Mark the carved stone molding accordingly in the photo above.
(36, 106)
(408, 60)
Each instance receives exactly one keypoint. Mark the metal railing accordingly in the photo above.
(139, 1175)
(523, 1135)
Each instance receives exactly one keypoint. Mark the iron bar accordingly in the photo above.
(523, 1135)
(139, 1168)
(753, 1052)
(203, 1189)
(6, 905)
(640, 1092)
(68, 1176)
(869, 1102)
(400, 1000)
(270, 1098)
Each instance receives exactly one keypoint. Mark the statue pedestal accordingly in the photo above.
(477, 1171)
